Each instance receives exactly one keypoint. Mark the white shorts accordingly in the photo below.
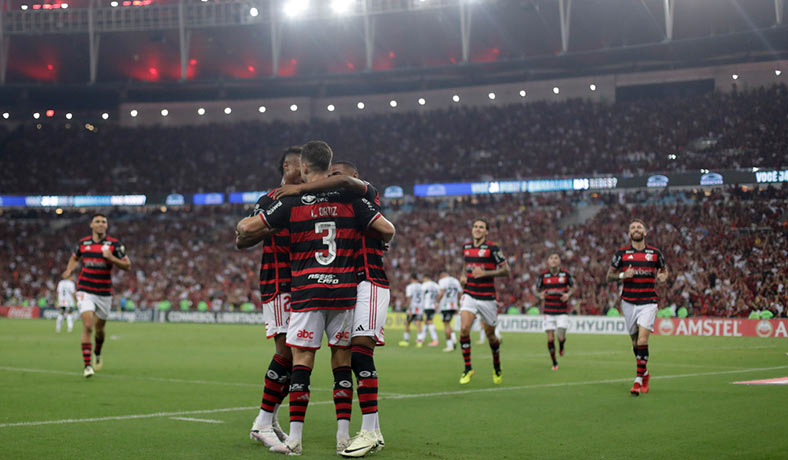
(551, 322)
(306, 328)
(639, 315)
(415, 311)
(276, 315)
(486, 309)
(101, 304)
(369, 317)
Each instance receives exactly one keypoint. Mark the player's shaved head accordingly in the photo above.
(344, 168)
(292, 151)
(317, 154)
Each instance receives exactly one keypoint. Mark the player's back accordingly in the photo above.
(451, 287)
(415, 293)
(431, 291)
(65, 293)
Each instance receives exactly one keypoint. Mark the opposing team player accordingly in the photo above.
(449, 301)
(324, 230)
(66, 300)
(640, 267)
(484, 261)
(97, 253)
(430, 290)
(369, 316)
(275, 299)
(555, 286)
(415, 312)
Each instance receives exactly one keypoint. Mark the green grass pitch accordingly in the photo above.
(154, 372)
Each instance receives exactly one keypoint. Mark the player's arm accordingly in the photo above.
(613, 273)
(71, 266)
(124, 263)
(570, 292)
(662, 269)
(249, 231)
(440, 296)
(385, 228)
(338, 181)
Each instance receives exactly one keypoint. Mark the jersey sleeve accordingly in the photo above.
(570, 280)
(660, 260)
(366, 212)
(540, 283)
(497, 254)
(119, 250)
(373, 195)
(78, 250)
(277, 215)
(616, 262)
(262, 204)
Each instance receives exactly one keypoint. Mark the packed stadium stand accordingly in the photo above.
(713, 131)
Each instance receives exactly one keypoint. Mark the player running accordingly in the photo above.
(66, 300)
(275, 298)
(555, 286)
(640, 267)
(415, 312)
(431, 291)
(449, 300)
(324, 230)
(484, 261)
(97, 253)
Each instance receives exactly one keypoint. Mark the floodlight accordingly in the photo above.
(295, 8)
(522, 93)
(341, 6)
(491, 96)
(422, 101)
(133, 113)
(253, 12)
(735, 76)
(360, 106)
(330, 107)
(69, 116)
(261, 109)
(592, 87)
(393, 103)
(455, 98)
(293, 108)
(36, 115)
(228, 110)
(164, 112)
(201, 111)
(556, 90)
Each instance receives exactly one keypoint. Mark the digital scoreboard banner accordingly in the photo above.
(80, 201)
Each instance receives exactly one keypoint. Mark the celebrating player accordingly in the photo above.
(430, 290)
(324, 229)
(484, 261)
(555, 286)
(448, 300)
(415, 312)
(98, 253)
(66, 299)
(639, 266)
(275, 298)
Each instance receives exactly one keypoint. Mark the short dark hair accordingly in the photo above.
(347, 164)
(98, 214)
(414, 276)
(317, 154)
(479, 219)
(292, 150)
(553, 253)
(638, 221)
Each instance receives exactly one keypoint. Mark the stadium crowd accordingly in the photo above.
(501, 142)
(727, 251)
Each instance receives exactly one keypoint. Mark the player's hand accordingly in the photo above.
(386, 247)
(541, 294)
(564, 297)
(629, 273)
(106, 252)
(287, 190)
(478, 272)
(66, 274)
(662, 277)
(463, 280)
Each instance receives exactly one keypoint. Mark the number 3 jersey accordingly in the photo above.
(324, 231)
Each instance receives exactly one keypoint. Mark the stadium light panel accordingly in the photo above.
(36, 115)
(592, 87)
(133, 113)
(341, 6)
(113, 4)
(253, 12)
(735, 76)
(164, 112)
(228, 110)
(105, 116)
(64, 5)
(201, 111)
(69, 116)
(360, 106)
(261, 109)
(330, 107)
(556, 90)
(778, 72)
(491, 96)
(393, 103)
(293, 108)
(522, 93)
(455, 98)
(24, 7)
(422, 101)
(50, 113)
(6, 115)
(295, 8)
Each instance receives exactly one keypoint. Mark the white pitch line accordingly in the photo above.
(203, 420)
(401, 396)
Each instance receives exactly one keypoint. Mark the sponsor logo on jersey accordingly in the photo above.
(324, 278)
(342, 335)
(304, 334)
(308, 199)
(273, 208)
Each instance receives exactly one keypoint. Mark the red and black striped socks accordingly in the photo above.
(299, 400)
(641, 356)
(496, 355)
(99, 342)
(551, 349)
(86, 348)
(277, 382)
(363, 364)
(465, 344)
(343, 399)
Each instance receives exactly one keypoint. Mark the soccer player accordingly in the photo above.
(449, 300)
(555, 286)
(97, 253)
(275, 299)
(324, 230)
(369, 316)
(415, 312)
(66, 300)
(484, 261)
(640, 267)
(431, 291)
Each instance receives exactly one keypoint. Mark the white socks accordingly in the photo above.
(433, 332)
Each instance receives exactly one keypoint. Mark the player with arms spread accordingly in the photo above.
(555, 286)
(449, 300)
(640, 267)
(324, 230)
(97, 253)
(484, 261)
(275, 298)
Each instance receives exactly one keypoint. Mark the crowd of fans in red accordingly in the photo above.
(740, 129)
(727, 252)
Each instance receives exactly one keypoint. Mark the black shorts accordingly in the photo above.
(429, 314)
(448, 315)
(412, 318)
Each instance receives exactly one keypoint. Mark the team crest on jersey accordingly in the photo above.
(562, 279)
(482, 252)
(649, 257)
(308, 199)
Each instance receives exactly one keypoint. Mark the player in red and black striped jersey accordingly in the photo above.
(275, 300)
(324, 229)
(555, 286)
(98, 254)
(369, 317)
(640, 267)
(484, 261)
